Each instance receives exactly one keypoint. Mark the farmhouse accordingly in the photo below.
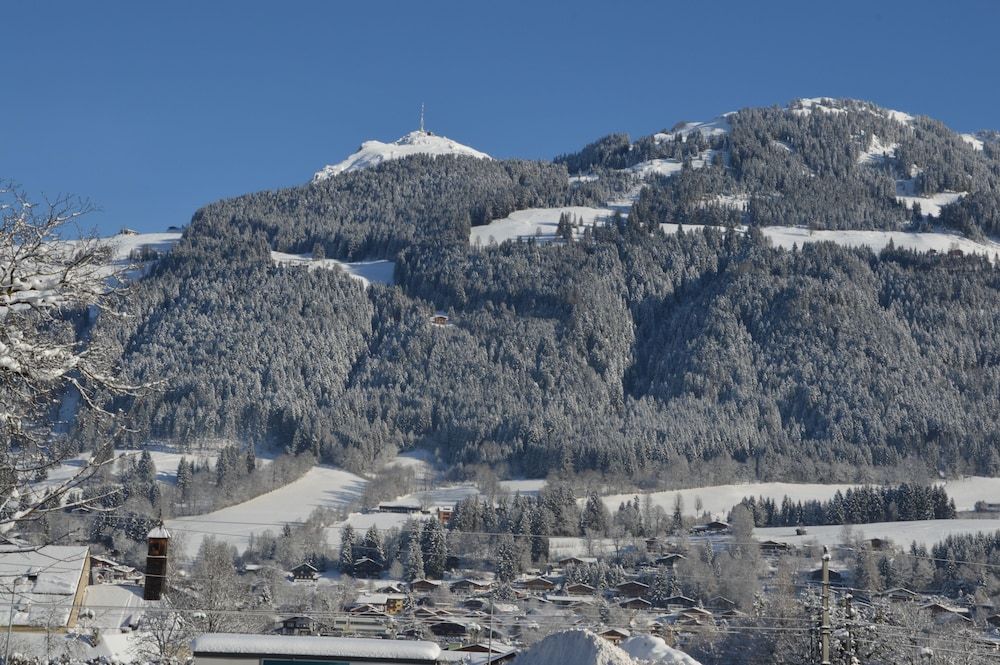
(402, 507)
(305, 571)
(424, 586)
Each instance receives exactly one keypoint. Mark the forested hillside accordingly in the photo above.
(626, 351)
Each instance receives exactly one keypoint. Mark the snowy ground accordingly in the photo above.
(925, 532)
(539, 223)
(321, 486)
(380, 270)
(786, 236)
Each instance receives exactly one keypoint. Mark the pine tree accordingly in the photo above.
(595, 517)
(374, 547)
(435, 549)
(185, 477)
(414, 565)
(347, 542)
(505, 559)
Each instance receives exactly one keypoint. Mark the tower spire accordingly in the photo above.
(422, 118)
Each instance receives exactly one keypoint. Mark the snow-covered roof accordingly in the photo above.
(159, 532)
(373, 153)
(336, 647)
(45, 581)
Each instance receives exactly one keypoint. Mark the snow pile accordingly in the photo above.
(373, 153)
(654, 651)
(576, 647)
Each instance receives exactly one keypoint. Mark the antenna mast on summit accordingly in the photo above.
(422, 118)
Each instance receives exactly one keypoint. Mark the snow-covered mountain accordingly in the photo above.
(373, 153)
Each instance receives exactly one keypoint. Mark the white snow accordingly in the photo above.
(713, 127)
(44, 582)
(123, 245)
(330, 647)
(973, 140)
(539, 223)
(373, 153)
(661, 167)
(525, 487)
(321, 486)
(941, 242)
(877, 151)
(924, 532)
(366, 272)
(833, 106)
(929, 205)
(652, 650)
(576, 647)
(718, 500)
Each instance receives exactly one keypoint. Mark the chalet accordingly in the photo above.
(721, 603)
(479, 604)
(712, 527)
(801, 531)
(466, 585)
(401, 507)
(366, 567)
(946, 613)
(955, 253)
(424, 586)
(632, 588)
(670, 560)
(569, 601)
(538, 584)
(654, 544)
(579, 589)
(125, 231)
(878, 544)
(900, 595)
(615, 635)
(297, 625)
(46, 595)
(451, 629)
(439, 319)
(305, 572)
(680, 601)
(444, 513)
(697, 612)
(576, 560)
(389, 603)
(108, 571)
(773, 547)
(636, 604)
(393, 587)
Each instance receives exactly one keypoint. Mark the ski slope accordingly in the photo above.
(373, 153)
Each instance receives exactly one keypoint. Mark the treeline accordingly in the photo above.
(861, 505)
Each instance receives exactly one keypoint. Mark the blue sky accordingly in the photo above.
(151, 110)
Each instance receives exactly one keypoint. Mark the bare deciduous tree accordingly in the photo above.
(53, 281)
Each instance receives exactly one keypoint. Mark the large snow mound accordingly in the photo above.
(579, 647)
(373, 153)
(654, 651)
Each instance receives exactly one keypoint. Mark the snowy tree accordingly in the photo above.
(595, 517)
(347, 542)
(435, 549)
(414, 565)
(49, 282)
(505, 559)
(373, 545)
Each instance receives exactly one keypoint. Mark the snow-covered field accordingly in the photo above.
(373, 153)
(786, 236)
(924, 532)
(380, 270)
(321, 486)
(537, 223)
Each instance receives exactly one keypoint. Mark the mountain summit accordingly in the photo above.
(373, 153)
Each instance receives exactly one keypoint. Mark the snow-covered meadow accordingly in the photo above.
(378, 270)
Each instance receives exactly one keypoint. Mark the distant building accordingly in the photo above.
(231, 649)
(305, 572)
(615, 635)
(402, 507)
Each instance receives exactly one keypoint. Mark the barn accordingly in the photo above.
(234, 649)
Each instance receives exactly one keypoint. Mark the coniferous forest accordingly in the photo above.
(627, 351)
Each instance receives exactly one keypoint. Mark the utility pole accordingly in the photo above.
(422, 118)
(824, 629)
(489, 643)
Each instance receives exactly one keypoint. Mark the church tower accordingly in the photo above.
(156, 563)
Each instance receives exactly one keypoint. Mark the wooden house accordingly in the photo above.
(424, 586)
(297, 625)
(466, 585)
(636, 604)
(538, 584)
(615, 635)
(305, 571)
(366, 567)
(680, 601)
(579, 589)
(632, 588)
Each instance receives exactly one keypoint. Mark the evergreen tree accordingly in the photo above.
(347, 543)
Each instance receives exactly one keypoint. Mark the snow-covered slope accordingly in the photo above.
(366, 272)
(373, 153)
